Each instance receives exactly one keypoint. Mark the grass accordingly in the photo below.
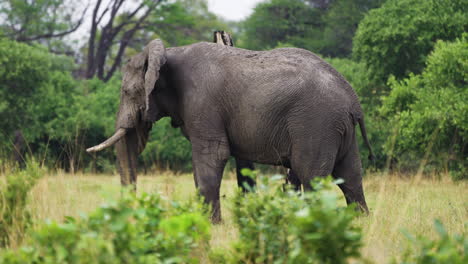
(395, 202)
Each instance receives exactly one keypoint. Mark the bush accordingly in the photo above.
(446, 249)
(167, 147)
(325, 232)
(31, 93)
(397, 37)
(284, 227)
(282, 21)
(133, 230)
(429, 111)
(15, 217)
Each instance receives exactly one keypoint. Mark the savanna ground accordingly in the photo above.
(396, 202)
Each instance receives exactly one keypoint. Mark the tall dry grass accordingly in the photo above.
(397, 202)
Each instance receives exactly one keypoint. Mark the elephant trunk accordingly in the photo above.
(128, 149)
(127, 153)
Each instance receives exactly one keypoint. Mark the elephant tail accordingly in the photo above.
(366, 140)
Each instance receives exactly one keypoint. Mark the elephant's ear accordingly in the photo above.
(156, 58)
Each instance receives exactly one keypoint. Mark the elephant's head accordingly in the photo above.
(137, 110)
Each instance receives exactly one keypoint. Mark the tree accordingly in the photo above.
(341, 22)
(19, 82)
(396, 38)
(38, 20)
(185, 22)
(324, 27)
(119, 25)
(430, 111)
(322, 4)
(36, 90)
(282, 21)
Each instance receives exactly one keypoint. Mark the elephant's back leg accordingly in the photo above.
(246, 183)
(293, 179)
(348, 168)
(316, 158)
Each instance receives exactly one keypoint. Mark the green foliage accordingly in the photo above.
(35, 88)
(430, 109)
(397, 37)
(168, 147)
(445, 249)
(263, 220)
(284, 227)
(340, 24)
(284, 21)
(39, 20)
(15, 218)
(324, 231)
(328, 31)
(19, 81)
(133, 230)
(185, 22)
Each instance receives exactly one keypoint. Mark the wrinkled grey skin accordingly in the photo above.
(244, 182)
(280, 107)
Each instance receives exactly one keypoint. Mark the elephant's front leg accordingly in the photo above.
(209, 158)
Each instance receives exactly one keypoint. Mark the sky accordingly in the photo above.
(232, 9)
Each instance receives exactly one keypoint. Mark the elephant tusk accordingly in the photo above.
(109, 142)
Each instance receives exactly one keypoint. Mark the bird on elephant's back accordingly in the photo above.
(281, 107)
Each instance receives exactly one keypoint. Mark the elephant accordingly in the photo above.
(244, 182)
(280, 107)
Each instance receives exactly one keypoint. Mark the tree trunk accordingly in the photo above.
(19, 149)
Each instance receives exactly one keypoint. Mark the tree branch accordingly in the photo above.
(55, 35)
(109, 34)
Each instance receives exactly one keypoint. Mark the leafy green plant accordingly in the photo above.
(144, 229)
(277, 226)
(324, 232)
(397, 37)
(15, 217)
(445, 249)
(430, 109)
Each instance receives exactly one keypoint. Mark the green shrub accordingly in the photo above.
(144, 229)
(15, 217)
(429, 111)
(167, 147)
(396, 38)
(445, 249)
(325, 232)
(36, 89)
(284, 227)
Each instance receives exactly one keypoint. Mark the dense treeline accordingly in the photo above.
(407, 60)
